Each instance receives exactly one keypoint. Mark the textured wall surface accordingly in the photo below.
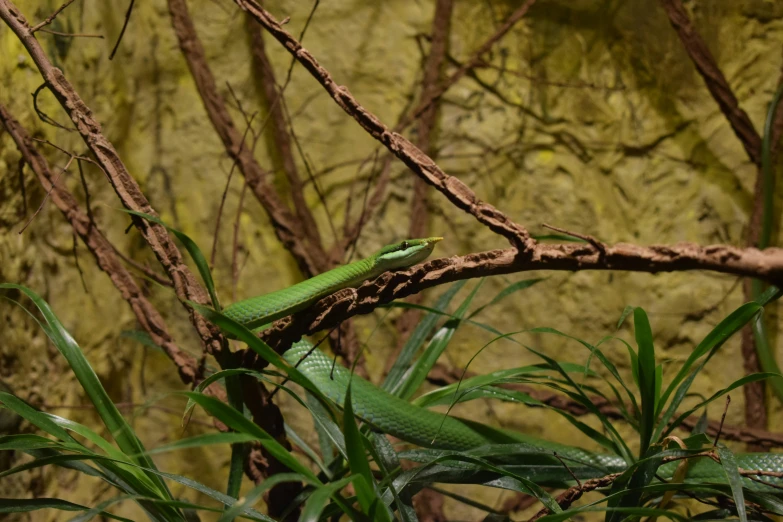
(599, 123)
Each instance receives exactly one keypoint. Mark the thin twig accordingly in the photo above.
(590, 239)
(42, 115)
(122, 31)
(722, 419)
(51, 17)
(103, 251)
(457, 192)
(235, 244)
(72, 35)
(76, 262)
(46, 197)
(225, 193)
(22, 186)
(578, 482)
(301, 360)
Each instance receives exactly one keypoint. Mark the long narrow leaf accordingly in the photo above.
(717, 336)
(729, 464)
(507, 291)
(434, 350)
(121, 431)
(357, 461)
(646, 377)
(25, 505)
(394, 379)
(193, 250)
(236, 421)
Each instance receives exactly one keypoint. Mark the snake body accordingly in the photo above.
(390, 414)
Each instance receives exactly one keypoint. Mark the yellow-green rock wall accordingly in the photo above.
(601, 125)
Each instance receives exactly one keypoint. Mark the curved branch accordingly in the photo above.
(127, 189)
(764, 264)
(103, 251)
(455, 190)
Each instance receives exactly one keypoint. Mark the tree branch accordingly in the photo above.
(280, 139)
(286, 226)
(128, 191)
(472, 62)
(455, 190)
(713, 77)
(764, 264)
(148, 317)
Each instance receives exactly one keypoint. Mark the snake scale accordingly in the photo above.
(390, 414)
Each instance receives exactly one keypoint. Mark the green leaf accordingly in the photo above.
(526, 485)
(626, 312)
(445, 394)
(25, 505)
(250, 498)
(297, 440)
(357, 460)
(328, 427)
(507, 291)
(141, 337)
(112, 418)
(638, 511)
(190, 483)
(145, 501)
(729, 464)
(318, 499)
(24, 442)
(193, 250)
(237, 422)
(754, 377)
(217, 376)
(437, 345)
(766, 352)
(646, 363)
(394, 380)
(714, 340)
(206, 439)
(35, 417)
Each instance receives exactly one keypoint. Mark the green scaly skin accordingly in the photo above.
(390, 414)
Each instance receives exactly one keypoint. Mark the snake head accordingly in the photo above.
(405, 253)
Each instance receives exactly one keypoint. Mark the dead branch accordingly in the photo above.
(455, 190)
(128, 191)
(280, 138)
(474, 61)
(103, 251)
(765, 264)
(425, 140)
(286, 225)
(49, 19)
(714, 79)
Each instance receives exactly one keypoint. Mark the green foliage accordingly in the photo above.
(352, 453)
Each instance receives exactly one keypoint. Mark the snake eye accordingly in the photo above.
(404, 245)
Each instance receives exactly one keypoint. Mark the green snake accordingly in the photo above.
(392, 415)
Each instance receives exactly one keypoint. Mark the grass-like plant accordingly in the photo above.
(350, 453)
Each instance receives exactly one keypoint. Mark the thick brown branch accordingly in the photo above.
(128, 191)
(713, 77)
(765, 264)
(148, 317)
(425, 140)
(474, 61)
(455, 190)
(280, 140)
(287, 227)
